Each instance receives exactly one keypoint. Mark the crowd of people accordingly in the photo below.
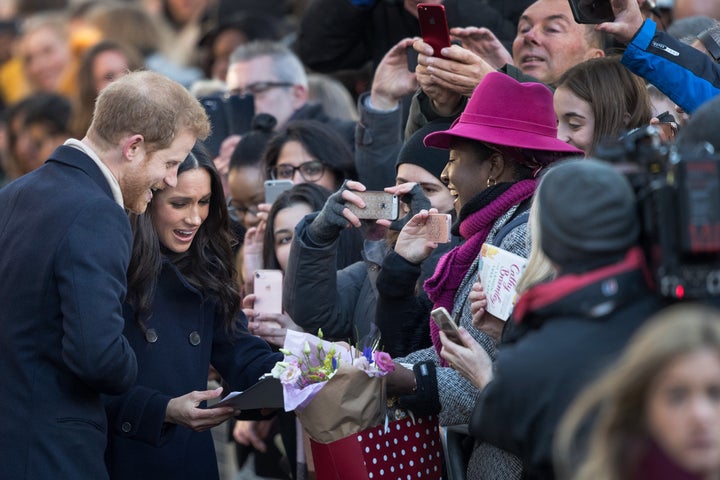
(138, 140)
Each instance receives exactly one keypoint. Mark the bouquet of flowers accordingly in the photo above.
(334, 390)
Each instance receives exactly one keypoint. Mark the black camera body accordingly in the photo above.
(229, 114)
(678, 194)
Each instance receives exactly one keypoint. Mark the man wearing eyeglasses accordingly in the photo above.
(276, 79)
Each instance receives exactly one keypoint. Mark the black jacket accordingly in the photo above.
(565, 345)
(335, 35)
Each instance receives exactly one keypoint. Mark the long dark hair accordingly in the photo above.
(310, 194)
(207, 265)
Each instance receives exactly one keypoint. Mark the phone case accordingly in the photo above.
(377, 205)
(433, 26)
(267, 287)
(438, 227)
(443, 320)
(273, 189)
(592, 11)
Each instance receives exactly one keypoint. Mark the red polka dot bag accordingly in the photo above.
(406, 449)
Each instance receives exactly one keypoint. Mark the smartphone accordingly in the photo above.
(443, 320)
(592, 11)
(378, 204)
(273, 189)
(229, 114)
(434, 26)
(267, 287)
(438, 227)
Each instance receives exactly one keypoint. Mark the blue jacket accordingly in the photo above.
(66, 247)
(182, 337)
(687, 76)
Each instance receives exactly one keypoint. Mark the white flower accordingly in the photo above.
(290, 375)
(361, 363)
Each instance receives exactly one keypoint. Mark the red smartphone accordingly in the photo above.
(434, 26)
(267, 288)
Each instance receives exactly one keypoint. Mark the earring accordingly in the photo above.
(491, 182)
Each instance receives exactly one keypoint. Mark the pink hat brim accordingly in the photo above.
(499, 136)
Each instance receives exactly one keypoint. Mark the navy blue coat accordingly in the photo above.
(183, 336)
(65, 247)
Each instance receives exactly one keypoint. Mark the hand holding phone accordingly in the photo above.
(434, 26)
(443, 320)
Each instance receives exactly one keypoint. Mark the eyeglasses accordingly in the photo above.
(309, 171)
(258, 88)
(237, 213)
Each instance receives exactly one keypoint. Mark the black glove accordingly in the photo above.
(425, 400)
(417, 200)
(330, 222)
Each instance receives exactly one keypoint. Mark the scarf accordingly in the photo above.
(474, 228)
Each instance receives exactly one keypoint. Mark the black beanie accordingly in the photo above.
(250, 148)
(587, 213)
(414, 151)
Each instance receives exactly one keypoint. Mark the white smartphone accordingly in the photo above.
(443, 320)
(267, 286)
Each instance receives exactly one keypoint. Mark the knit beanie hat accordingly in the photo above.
(587, 213)
(414, 151)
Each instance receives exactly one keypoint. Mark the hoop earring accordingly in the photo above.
(491, 182)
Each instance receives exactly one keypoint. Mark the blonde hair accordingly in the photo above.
(149, 104)
(617, 400)
(538, 268)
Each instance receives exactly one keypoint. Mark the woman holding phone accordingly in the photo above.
(182, 314)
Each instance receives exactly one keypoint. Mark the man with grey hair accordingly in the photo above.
(276, 79)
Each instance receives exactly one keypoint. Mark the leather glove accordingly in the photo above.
(425, 400)
(327, 226)
(417, 200)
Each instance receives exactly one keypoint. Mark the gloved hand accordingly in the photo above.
(425, 400)
(330, 221)
(417, 201)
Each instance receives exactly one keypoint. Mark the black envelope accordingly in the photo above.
(265, 394)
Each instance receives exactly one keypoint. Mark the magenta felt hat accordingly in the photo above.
(504, 111)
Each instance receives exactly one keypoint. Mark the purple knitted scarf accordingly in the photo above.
(453, 266)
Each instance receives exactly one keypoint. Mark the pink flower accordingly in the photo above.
(384, 362)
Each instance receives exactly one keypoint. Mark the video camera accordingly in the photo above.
(678, 193)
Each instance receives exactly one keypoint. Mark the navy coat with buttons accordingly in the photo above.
(182, 337)
(65, 247)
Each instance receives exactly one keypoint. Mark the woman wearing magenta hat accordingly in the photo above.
(498, 146)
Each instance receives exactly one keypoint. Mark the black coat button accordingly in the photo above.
(126, 427)
(194, 339)
(151, 335)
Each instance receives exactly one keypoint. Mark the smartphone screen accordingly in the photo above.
(433, 26)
